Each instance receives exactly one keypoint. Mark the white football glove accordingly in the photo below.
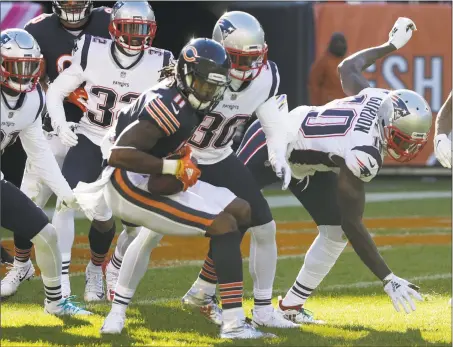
(400, 292)
(401, 32)
(69, 203)
(282, 170)
(442, 148)
(66, 134)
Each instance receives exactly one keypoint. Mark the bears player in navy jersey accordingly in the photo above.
(147, 133)
(350, 137)
(111, 72)
(255, 82)
(22, 104)
(55, 34)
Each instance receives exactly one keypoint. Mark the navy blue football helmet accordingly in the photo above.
(202, 73)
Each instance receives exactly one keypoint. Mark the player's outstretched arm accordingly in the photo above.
(351, 199)
(40, 154)
(442, 144)
(351, 68)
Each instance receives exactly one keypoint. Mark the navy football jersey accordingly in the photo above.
(164, 106)
(56, 44)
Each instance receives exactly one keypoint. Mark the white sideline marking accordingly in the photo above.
(291, 201)
(322, 289)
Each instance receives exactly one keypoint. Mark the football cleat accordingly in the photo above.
(111, 278)
(15, 276)
(297, 314)
(113, 323)
(272, 319)
(65, 286)
(240, 329)
(207, 304)
(64, 307)
(94, 283)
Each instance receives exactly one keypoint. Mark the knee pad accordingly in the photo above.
(265, 233)
(47, 236)
(333, 233)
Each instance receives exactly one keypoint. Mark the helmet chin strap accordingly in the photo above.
(123, 56)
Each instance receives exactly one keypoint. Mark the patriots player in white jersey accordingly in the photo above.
(22, 104)
(114, 73)
(442, 138)
(348, 137)
(255, 81)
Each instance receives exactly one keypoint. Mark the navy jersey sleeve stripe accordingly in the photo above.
(41, 101)
(275, 79)
(373, 151)
(85, 49)
(167, 56)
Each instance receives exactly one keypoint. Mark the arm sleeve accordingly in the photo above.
(68, 80)
(40, 155)
(161, 116)
(273, 116)
(364, 162)
(315, 82)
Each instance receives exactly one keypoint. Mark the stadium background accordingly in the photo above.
(296, 33)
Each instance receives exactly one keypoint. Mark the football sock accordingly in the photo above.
(22, 248)
(64, 223)
(48, 259)
(226, 254)
(207, 273)
(263, 264)
(124, 240)
(99, 244)
(320, 258)
(135, 264)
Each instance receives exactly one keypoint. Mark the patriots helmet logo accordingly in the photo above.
(399, 107)
(227, 27)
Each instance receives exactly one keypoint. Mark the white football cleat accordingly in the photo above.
(64, 307)
(240, 329)
(15, 276)
(113, 323)
(94, 283)
(111, 278)
(297, 314)
(65, 286)
(205, 303)
(272, 319)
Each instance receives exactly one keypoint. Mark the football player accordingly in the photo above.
(55, 34)
(442, 142)
(333, 151)
(254, 82)
(114, 72)
(156, 125)
(22, 103)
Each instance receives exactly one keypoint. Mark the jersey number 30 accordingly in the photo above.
(331, 122)
(104, 118)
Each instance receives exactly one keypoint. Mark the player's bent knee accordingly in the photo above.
(224, 223)
(241, 211)
(132, 231)
(333, 232)
(103, 226)
(47, 236)
(264, 234)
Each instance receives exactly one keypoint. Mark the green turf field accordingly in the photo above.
(414, 237)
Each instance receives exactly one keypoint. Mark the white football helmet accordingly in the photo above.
(133, 25)
(72, 11)
(243, 38)
(21, 60)
(406, 120)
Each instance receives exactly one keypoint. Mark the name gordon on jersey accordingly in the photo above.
(368, 115)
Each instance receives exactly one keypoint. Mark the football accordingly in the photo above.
(164, 184)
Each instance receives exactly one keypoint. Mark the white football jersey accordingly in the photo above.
(110, 86)
(22, 117)
(212, 140)
(347, 128)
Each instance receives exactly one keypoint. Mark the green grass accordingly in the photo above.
(350, 300)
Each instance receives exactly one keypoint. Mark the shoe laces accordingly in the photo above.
(13, 273)
(69, 305)
(95, 281)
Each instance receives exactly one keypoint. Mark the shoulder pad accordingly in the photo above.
(103, 11)
(33, 24)
(272, 67)
(364, 162)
